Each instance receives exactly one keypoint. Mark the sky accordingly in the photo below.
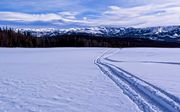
(83, 13)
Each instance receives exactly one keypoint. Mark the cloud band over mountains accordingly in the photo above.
(90, 13)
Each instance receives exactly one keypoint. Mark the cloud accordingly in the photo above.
(63, 17)
(140, 16)
(16, 16)
(39, 6)
(128, 13)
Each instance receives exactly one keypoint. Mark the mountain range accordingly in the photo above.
(161, 33)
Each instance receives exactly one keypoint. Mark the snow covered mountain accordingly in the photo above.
(166, 33)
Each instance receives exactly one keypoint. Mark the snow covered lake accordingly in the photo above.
(89, 80)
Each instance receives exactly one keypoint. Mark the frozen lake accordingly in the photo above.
(89, 80)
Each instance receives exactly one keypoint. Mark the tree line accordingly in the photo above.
(10, 38)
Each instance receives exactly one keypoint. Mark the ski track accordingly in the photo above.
(146, 96)
(169, 63)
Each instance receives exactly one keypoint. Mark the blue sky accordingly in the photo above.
(81, 13)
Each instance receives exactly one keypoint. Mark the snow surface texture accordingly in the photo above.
(57, 80)
(68, 80)
(148, 97)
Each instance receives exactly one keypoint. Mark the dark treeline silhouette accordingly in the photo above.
(10, 38)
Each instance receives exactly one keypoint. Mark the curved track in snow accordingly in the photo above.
(154, 62)
(146, 96)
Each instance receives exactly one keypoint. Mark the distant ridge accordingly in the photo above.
(160, 33)
(91, 37)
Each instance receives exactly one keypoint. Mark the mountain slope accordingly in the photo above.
(168, 33)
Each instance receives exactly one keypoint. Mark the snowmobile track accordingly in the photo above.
(146, 96)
